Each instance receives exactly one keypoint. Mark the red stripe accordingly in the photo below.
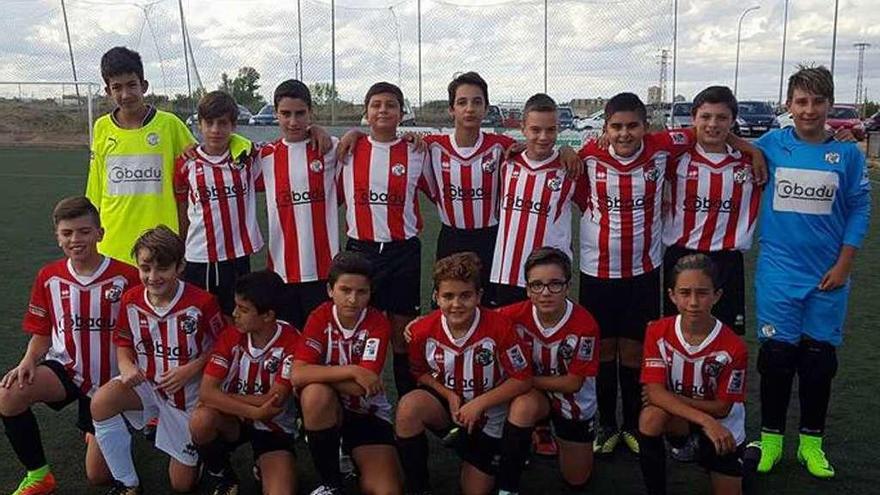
(204, 203)
(506, 213)
(106, 337)
(225, 215)
(458, 366)
(479, 371)
(143, 327)
(319, 209)
(242, 185)
(650, 207)
(446, 188)
(604, 222)
(543, 218)
(397, 188)
(361, 165)
(69, 340)
(626, 222)
(689, 211)
(564, 196)
(487, 183)
(183, 344)
(286, 212)
(733, 218)
(754, 205)
(467, 203)
(522, 230)
(716, 181)
(85, 338)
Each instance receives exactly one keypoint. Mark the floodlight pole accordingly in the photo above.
(738, 39)
(834, 37)
(70, 50)
(185, 56)
(299, 31)
(782, 63)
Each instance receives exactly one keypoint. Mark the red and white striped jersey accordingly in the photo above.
(165, 338)
(467, 182)
(535, 211)
(379, 183)
(473, 364)
(80, 314)
(221, 206)
(713, 370)
(249, 370)
(713, 202)
(622, 225)
(569, 347)
(302, 206)
(326, 342)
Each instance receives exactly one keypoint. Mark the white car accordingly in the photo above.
(785, 120)
(594, 121)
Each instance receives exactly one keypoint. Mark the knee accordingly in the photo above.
(652, 421)
(408, 417)
(184, 483)
(817, 360)
(101, 405)
(777, 358)
(11, 402)
(577, 483)
(376, 487)
(524, 411)
(98, 477)
(203, 425)
(316, 398)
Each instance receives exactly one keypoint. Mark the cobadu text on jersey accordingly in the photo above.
(293, 198)
(239, 386)
(458, 193)
(371, 197)
(122, 173)
(692, 390)
(528, 205)
(453, 382)
(616, 203)
(159, 349)
(789, 189)
(76, 323)
(214, 193)
(703, 204)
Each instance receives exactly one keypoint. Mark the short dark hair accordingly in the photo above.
(120, 60)
(295, 89)
(462, 267)
(549, 256)
(165, 246)
(813, 79)
(471, 78)
(75, 207)
(349, 263)
(539, 102)
(699, 262)
(626, 102)
(716, 94)
(263, 289)
(383, 87)
(218, 104)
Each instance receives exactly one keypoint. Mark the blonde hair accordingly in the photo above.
(812, 79)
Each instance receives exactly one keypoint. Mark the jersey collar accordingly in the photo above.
(694, 349)
(87, 280)
(348, 332)
(549, 331)
(461, 341)
(256, 351)
(161, 312)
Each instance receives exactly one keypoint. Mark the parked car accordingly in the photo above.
(595, 120)
(844, 117)
(785, 120)
(754, 118)
(512, 119)
(266, 116)
(493, 117)
(566, 118)
(872, 123)
(680, 116)
(244, 115)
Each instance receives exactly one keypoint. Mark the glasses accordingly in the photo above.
(554, 286)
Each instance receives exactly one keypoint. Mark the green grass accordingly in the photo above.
(31, 181)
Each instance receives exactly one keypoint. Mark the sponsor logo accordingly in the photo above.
(787, 189)
(152, 139)
(272, 364)
(121, 173)
(517, 359)
(585, 351)
(689, 390)
(737, 382)
(706, 204)
(516, 203)
(805, 191)
(113, 293)
(293, 198)
(466, 384)
(190, 450)
(371, 349)
(239, 386)
(398, 169)
(76, 323)
(458, 193)
(316, 166)
(616, 203)
(134, 174)
(160, 349)
(484, 357)
(214, 193)
(371, 197)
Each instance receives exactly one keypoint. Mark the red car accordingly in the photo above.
(845, 117)
(512, 119)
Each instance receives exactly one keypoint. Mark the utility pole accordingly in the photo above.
(860, 100)
(664, 67)
(70, 50)
(834, 37)
(782, 63)
(185, 56)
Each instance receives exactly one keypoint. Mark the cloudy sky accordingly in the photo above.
(595, 47)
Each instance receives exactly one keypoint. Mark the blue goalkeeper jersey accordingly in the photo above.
(818, 198)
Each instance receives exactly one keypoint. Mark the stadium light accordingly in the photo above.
(738, 39)
(782, 63)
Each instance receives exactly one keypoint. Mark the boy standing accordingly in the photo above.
(813, 220)
(301, 203)
(246, 393)
(73, 309)
(535, 201)
(216, 204)
(163, 339)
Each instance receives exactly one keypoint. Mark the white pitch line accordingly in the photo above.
(41, 176)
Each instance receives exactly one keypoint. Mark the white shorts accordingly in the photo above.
(172, 432)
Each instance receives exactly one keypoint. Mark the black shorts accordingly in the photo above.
(72, 392)
(365, 429)
(727, 464)
(397, 269)
(622, 306)
(218, 278)
(573, 430)
(300, 300)
(478, 241)
(477, 449)
(731, 308)
(263, 441)
(508, 294)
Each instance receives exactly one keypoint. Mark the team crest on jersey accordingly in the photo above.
(484, 357)
(113, 293)
(398, 169)
(489, 165)
(652, 173)
(357, 347)
(554, 184)
(585, 351)
(768, 330)
(832, 158)
(152, 139)
(742, 175)
(272, 364)
(678, 137)
(316, 166)
(565, 350)
(189, 324)
(712, 368)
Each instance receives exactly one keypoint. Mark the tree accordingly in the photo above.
(871, 107)
(244, 88)
(323, 93)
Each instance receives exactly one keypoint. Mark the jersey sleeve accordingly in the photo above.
(582, 192)
(376, 346)
(653, 364)
(857, 199)
(506, 141)
(95, 181)
(221, 355)
(676, 142)
(427, 183)
(286, 373)
(510, 349)
(37, 319)
(585, 361)
(310, 347)
(181, 184)
(213, 321)
(122, 336)
(732, 382)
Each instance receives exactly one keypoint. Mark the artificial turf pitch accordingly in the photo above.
(32, 180)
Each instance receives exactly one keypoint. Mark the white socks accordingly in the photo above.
(115, 442)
